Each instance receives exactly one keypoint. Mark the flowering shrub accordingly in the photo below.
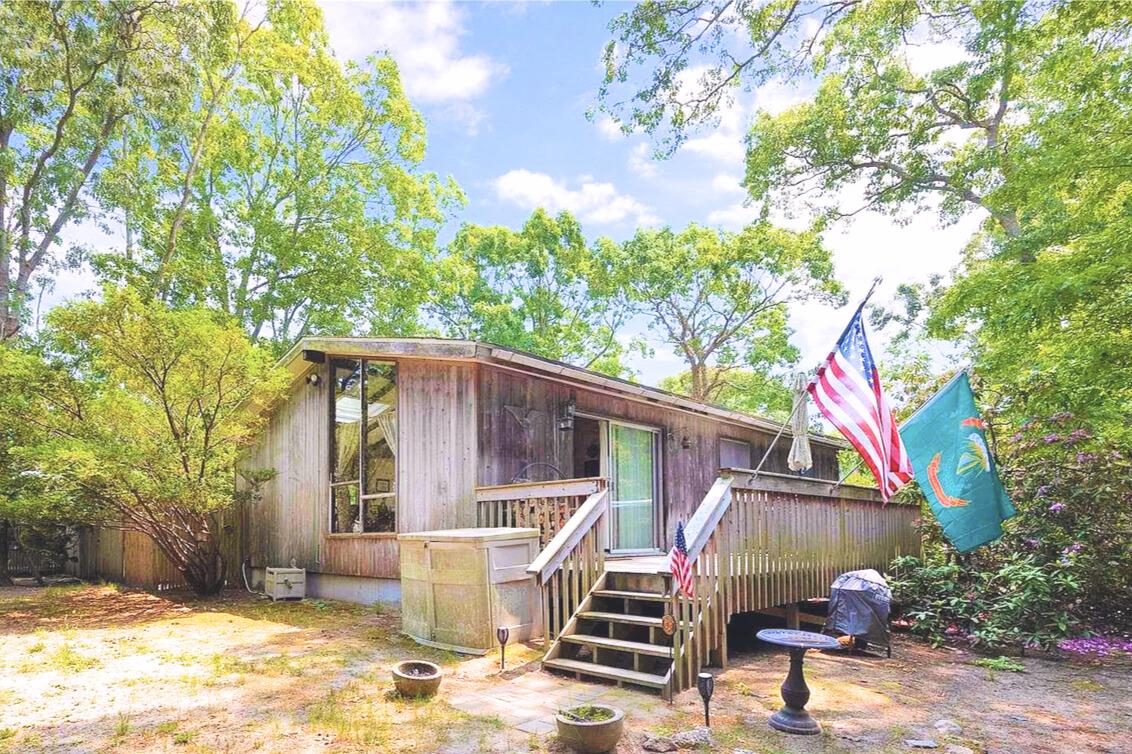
(1021, 604)
(1064, 564)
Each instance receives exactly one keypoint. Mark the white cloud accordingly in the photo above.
(726, 143)
(725, 183)
(733, 216)
(641, 162)
(610, 129)
(592, 201)
(425, 40)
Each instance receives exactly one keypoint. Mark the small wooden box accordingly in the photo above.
(285, 583)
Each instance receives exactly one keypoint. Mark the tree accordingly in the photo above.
(540, 289)
(719, 298)
(70, 73)
(284, 188)
(1027, 125)
(141, 412)
(751, 391)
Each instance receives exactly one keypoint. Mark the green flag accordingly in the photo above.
(953, 464)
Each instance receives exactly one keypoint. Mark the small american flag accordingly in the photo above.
(678, 563)
(847, 391)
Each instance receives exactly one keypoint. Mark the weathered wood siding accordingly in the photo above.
(436, 472)
(290, 520)
(518, 426)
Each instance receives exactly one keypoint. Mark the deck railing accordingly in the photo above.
(757, 542)
(545, 506)
(572, 562)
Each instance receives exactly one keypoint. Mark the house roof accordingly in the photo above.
(489, 353)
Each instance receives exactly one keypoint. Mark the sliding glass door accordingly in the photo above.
(632, 479)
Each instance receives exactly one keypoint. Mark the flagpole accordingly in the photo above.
(928, 402)
(802, 397)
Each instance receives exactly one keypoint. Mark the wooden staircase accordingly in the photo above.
(754, 542)
(616, 633)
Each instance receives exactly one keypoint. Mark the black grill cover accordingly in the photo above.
(859, 603)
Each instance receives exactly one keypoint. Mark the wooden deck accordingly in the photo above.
(653, 564)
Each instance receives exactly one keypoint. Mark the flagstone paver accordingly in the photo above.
(530, 701)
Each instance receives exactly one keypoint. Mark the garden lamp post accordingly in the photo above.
(503, 634)
(705, 682)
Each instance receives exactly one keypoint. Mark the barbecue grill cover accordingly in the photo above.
(859, 603)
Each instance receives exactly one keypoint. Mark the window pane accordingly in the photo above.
(734, 454)
(381, 429)
(381, 514)
(346, 376)
(633, 488)
(344, 518)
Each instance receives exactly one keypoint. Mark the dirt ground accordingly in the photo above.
(97, 669)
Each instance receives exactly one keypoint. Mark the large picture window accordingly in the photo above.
(363, 447)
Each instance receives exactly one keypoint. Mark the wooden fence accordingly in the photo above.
(758, 542)
(545, 506)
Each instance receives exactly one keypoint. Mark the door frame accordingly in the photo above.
(605, 432)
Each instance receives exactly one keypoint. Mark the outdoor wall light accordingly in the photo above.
(313, 379)
(566, 421)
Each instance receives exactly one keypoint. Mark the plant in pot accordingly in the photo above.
(416, 678)
(591, 728)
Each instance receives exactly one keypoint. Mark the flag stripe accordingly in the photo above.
(848, 392)
(851, 430)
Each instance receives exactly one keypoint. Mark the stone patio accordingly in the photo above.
(530, 701)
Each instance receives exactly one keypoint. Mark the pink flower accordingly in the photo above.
(1057, 507)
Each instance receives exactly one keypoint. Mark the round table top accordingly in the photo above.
(785, 637)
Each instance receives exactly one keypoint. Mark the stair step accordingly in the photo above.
(646, 596)
(635, 620)
(604, 642)
(605, 671)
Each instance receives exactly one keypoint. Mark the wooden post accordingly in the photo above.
(792, 621)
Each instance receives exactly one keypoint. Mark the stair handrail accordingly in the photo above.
(559, 548)
(707, 516)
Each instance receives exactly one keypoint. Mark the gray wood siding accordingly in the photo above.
(518, 426)
(436, 472)
(291, 519)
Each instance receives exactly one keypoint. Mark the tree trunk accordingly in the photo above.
(5, 577)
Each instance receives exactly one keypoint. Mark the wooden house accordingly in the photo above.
(379, 437)
(449, 424)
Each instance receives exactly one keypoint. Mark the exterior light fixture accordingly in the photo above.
(566, 421)
(503, 634)
(705, 682)
(313, 379)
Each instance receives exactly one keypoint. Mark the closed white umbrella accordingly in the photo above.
(800, 458)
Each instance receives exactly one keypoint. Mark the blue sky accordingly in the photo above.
(505, 88)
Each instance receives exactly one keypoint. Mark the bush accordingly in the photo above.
(1063, 564)
(1021, 604)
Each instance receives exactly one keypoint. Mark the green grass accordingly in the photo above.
(183, 737)
(121, 728)
(167, 727)
(65, 659)
(1004, 664)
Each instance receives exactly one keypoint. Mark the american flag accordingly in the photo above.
(678, 563)
(847, 391)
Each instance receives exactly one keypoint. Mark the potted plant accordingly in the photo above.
(416, 678)
(591, 728)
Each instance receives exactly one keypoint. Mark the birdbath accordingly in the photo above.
(793, 718)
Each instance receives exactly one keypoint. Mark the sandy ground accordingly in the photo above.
(96, 669)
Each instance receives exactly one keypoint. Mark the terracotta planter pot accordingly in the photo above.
(416, 678)
(592, 737)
